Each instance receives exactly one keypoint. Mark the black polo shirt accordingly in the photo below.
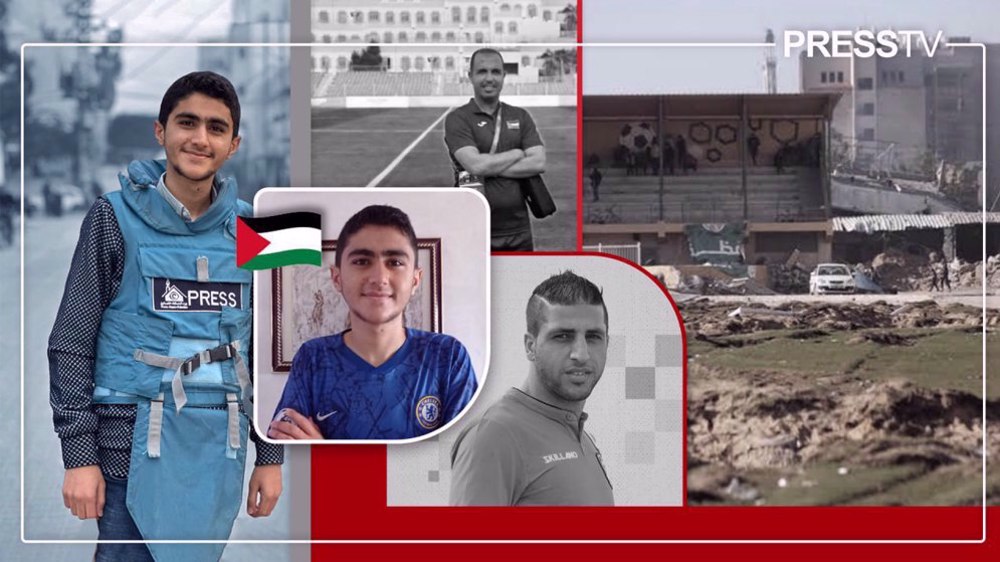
(523, 451)
(470, 126)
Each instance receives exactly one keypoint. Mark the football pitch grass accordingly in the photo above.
(352, 147)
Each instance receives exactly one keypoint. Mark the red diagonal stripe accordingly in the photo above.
(248, 242)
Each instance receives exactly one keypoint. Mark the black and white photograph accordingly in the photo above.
(404, 103)
(579, 409)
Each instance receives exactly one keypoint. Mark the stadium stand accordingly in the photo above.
(380, 84)
(712, 195)
(317, 77)
(431, 83)
(565, 88)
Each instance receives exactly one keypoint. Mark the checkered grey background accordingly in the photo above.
(636, 411)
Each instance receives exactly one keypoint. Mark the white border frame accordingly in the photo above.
(489, 328)
(982, 540)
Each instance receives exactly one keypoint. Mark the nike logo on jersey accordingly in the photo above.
(482, 124)
(321, 417)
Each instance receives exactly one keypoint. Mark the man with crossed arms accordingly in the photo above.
(492, 146)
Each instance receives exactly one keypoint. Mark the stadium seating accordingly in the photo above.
(343, 84)
(380, 84)
(565, 88)
(710, 195)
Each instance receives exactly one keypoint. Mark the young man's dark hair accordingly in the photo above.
(376, 215)
(483, 51)
(202, 82)
(566, 288)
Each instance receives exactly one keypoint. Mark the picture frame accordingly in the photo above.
(305, 304)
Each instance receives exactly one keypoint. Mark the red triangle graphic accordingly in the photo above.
(248, 242)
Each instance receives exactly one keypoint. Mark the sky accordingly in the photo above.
(650, 70)
(707, 70)
(148, 71)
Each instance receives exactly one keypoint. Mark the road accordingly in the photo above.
(48, 252)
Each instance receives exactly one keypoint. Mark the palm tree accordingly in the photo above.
(566, 60)
(558, 63)
(568, 26)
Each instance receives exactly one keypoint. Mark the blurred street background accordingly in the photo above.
(88, 111)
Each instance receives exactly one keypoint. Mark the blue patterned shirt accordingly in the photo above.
(422, 387)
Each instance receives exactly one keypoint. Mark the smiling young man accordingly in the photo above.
(378, 379)
(492, 146)
(148, 380)
(529, 448)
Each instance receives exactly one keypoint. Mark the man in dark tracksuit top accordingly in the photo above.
(171, 219)
(469, 133)
(530, 448)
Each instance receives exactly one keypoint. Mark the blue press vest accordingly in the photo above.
(181, 294)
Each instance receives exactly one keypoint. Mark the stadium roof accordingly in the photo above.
(819, 105)
(891, 223)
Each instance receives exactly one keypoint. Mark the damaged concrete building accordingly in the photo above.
(874, 158)
(687, 179)
(957, 235)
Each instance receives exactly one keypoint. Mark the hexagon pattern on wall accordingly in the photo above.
(700, 132)
(784, 130)
(726, 134)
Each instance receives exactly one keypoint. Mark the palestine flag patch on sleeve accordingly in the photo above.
(279, 240)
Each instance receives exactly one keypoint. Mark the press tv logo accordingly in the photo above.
(862, 43)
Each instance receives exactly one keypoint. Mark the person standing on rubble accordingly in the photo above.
(944, 273)
(939, 273)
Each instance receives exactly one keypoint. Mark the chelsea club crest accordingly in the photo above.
(429, 412)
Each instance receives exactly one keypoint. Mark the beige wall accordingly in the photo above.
(602, 138)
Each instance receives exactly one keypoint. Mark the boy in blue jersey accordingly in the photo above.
(378, 379)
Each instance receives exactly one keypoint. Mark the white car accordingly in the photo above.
(831, 278)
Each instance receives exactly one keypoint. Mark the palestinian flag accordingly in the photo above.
(278, 240)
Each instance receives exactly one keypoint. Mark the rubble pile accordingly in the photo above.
(965, 274)
(732, 286)
(901, 271)
(789, 279)
(707, 280)
(750, 423)
(778, 423)
(714, 319)
(889, 272)
(992, 272)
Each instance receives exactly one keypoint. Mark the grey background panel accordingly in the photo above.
(636, 413)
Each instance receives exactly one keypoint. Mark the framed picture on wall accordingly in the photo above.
(305, 304)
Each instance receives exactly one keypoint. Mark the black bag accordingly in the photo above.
(537, 195)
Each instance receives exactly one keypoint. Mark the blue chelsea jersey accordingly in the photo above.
(422, 387)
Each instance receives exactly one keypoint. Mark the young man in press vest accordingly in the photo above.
(149, 382)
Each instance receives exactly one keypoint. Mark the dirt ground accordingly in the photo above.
(832, 402)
